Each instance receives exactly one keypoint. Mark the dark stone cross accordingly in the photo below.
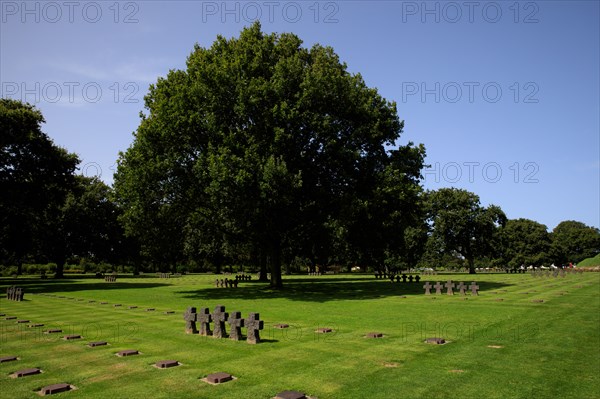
(204, 318)
(474, 287)
(254, 325)
(404, 278)
(449, 286)
(190, 316)
(410, 278)
(236, 323)
(219, 317)
(417, 278)
(438, 288)
(462, 287)
(427, 287)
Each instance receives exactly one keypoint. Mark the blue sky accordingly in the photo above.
(505, 95)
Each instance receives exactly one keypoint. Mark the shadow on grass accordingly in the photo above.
(37, 286)
(323, 290)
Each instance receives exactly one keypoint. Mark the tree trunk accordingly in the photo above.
(471, 265)
(60, 268)
(276, 266)
(263, 266)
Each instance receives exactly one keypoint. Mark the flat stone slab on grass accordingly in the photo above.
(436, 341)
(150, 310)
(290, 395)
(55, 388)
(23, 321)
(374, 335)
(537, 301)
(53, 331)
(282, 325)
(128, 352)
(132, 307)
(71, 337)
(8, 359)
(165, 364)
(97, 343)
(116, 305)
(25, 372)
(10, 318)
(218, 378)
(35, 325)
(169, 312)
(324, 330)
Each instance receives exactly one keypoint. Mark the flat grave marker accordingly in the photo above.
(218, 378)
(26, 372)
(55, 388)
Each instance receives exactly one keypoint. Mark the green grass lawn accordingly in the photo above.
(514, 348)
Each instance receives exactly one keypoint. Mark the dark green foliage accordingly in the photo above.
(264, 148)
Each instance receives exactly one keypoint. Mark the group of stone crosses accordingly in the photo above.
(15, 293)
(555, 272)
(462, 288)
(252, 323)
(398, 277)
(111, 279)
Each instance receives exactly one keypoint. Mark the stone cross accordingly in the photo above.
(410, 278)
(190, 316)
(438, 288)
(404, 278)
(462, 287)
(236, 323)
(417, 278)
(219, 317)
(474, 287)
(254, 325)
(449, 285)
(427, 287)
(204, 317)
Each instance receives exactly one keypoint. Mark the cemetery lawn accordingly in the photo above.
(514, 348)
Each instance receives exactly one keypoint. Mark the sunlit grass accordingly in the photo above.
(513, 348)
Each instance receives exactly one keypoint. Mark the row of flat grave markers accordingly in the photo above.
(462, 288)
(15, 293)
(226, 283)
(252, 323)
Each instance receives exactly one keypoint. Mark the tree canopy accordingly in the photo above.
(263, 145)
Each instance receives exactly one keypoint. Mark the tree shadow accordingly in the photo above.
(324, 290)
(37, 286)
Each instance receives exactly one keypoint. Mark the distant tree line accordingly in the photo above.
(265, 154)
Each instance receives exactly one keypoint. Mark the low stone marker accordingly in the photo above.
(449, 287)
(25, 372)
(131, 307)
(23, 321)
(97, 343)
(253, 326)
(150, 310)
(290, 395)
(8, 359)
(281, 326)
(55, 388)
(53, 331)
(71, 337)
(235, 326)
(462, 288)
(323, 330)
(10, 318)
(35, 325)
(438, 288)
(218, 378)
(427, 287)
(436, 341)
(374, 335)
(128, 352)
(165, 364)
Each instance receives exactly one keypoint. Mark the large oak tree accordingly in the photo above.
(261, 142)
